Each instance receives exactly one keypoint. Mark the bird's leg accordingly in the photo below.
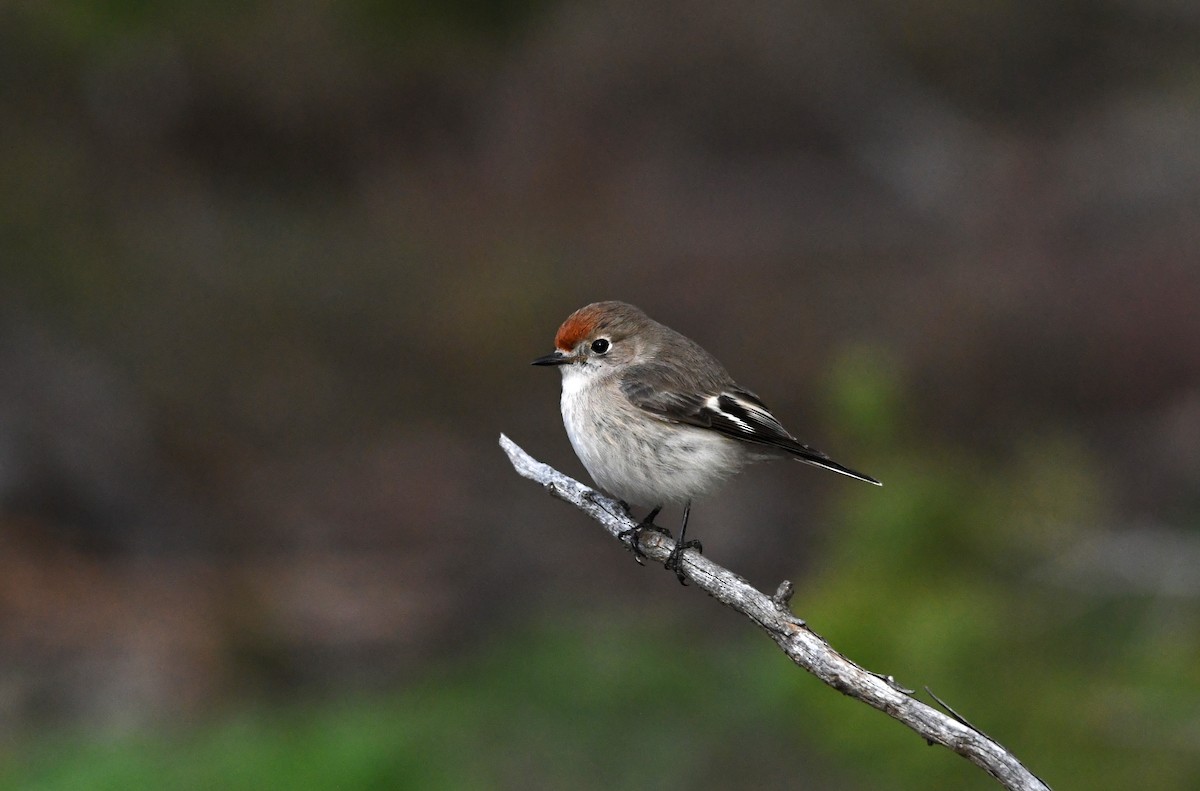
(634, 533)
(673, 561)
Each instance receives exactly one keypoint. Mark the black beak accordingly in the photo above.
(553, 358)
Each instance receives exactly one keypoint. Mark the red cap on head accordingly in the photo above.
(578, 326)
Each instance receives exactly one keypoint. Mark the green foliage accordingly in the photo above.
(864, 392)
(949, 579)
(594, 705)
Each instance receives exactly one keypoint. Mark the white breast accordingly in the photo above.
(636, 456)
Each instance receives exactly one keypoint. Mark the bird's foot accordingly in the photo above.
(633, 535)
(675, 559)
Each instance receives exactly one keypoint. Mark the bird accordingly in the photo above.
(657, 420)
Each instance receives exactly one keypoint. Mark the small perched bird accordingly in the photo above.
(655, 419)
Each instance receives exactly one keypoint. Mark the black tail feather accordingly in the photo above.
(817, 459)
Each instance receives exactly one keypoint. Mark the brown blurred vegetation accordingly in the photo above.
(271, 276)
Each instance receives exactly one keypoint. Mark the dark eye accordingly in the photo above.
(600, 345)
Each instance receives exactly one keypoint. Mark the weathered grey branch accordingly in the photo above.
(805, 647)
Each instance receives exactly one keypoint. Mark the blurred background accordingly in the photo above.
(271, 277)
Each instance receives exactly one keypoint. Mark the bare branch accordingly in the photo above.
(805, 647)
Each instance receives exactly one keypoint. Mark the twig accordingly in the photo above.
(803, 646)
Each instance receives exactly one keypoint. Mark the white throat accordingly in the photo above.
(574, 380)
